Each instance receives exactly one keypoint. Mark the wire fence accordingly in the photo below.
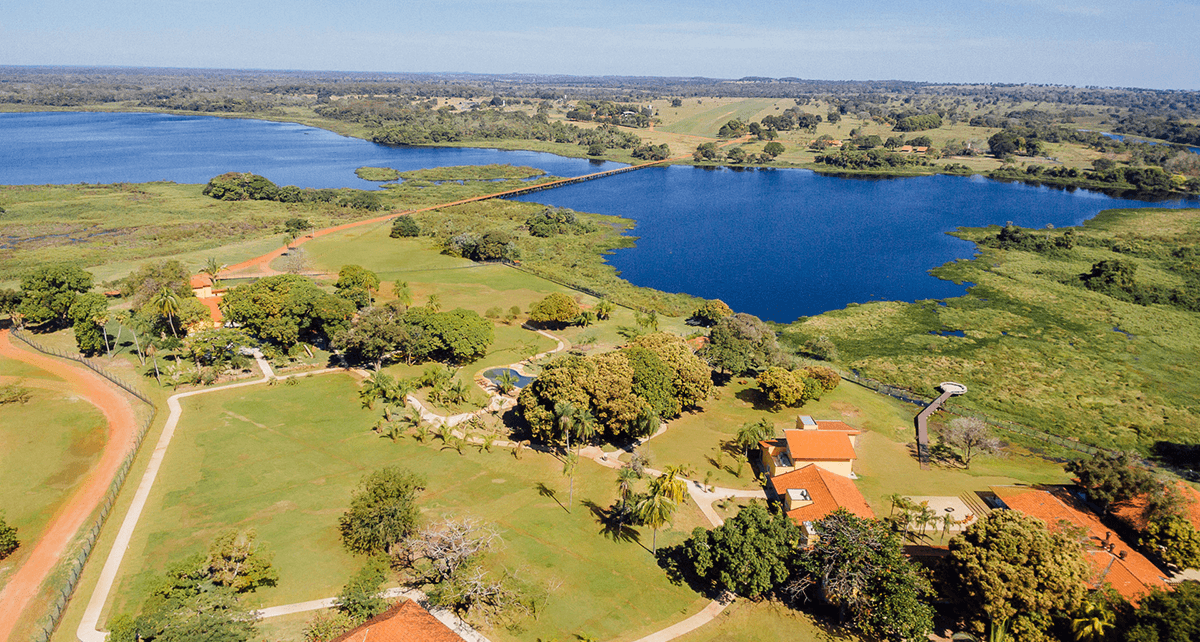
(65, 580)
(1070, 443)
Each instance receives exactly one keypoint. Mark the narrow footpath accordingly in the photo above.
(56, 539)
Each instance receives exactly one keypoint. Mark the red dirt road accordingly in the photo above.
(48, 551)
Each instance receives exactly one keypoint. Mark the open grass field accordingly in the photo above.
(89, 225)
(1041, 351)
(284, 459)
(765, 621)
(47, 447)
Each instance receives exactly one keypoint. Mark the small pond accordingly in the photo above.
(494, 373)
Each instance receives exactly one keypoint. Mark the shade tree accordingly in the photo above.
(741, 343)
(383, 511)
(49, 291)
(283, 308)
(358, 284)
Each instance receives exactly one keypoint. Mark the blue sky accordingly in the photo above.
(1148, 43)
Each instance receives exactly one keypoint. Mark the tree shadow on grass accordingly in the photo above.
(755, 397)
(612, 526)
(546, 491)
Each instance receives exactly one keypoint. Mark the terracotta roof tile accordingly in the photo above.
(819, 445)
(1134, 512)
(200, 281)
(828, 492)
(405, 622)
(1132, 577)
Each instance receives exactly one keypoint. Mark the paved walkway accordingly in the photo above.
(55, 540)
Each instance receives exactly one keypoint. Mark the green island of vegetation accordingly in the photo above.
(377, 174)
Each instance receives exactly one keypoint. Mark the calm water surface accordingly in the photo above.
(776, 243)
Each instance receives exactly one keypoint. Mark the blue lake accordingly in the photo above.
(776, 243)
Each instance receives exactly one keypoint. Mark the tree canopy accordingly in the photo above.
(1008, 570)
(556, 309)
(710, 312)
(1112, 479)
(283, 308)
(742, 343)
(383, 511)
(48, 292)
(356, 283)
(751, 554)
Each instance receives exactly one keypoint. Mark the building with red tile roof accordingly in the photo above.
(828, 444)
(1112, 560)
(405, 622)
(812, 492)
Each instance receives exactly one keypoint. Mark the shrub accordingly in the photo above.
(8, 538)
(557, 309)
(405, 227)
(710, 312)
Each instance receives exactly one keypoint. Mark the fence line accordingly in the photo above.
(74, 567)
(909, 396)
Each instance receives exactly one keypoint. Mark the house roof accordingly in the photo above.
(1132, 577)
(1136, 512)
(819, 445)
(834, 424)
(405, 622)
(828, 492)
(200, 281)
(213, 303)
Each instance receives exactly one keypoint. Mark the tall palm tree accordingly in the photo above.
(655, 511)
(212, 268)
(626, 477)
(1093, 622)
(670, 485)
(403, 293)
(126, 318)
(167, 304)
(506, 381)
(646, 424)
(434, 302)
(101, 319)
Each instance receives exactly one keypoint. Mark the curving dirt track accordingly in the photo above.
(54, 542)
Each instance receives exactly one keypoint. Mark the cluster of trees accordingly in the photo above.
(871, 159)
(710, 312)
(553, 221)
(492, 245)
(199, 598)
(789, 119)
(1007, 576)
(57, 295)
(1012, 237)
(737, 155)
(557, 310)
(742, 343)
(285, 308)
(241, 186)
(605, 111)
(1117, 278)
(415, 126)
(652, 152)
(918, 122)
(384, 522)
(856, 567)
(416, 334)
(794, 388)
(625, 393)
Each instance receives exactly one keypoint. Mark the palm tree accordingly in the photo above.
(167, 304)
(126, 317)
(646, 424)
(379, 385)
(412, 420)
(655, 511)
(1093, 622)
(403, 293)
(506, 381)
(896, 499)
(434, 302)
(626, 476)
(458, 392)
(101, 320)
(604, 309)
(670, 485)
(212, 268)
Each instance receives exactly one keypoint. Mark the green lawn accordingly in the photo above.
(283, 459)
(746, 621)
(47, 447)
